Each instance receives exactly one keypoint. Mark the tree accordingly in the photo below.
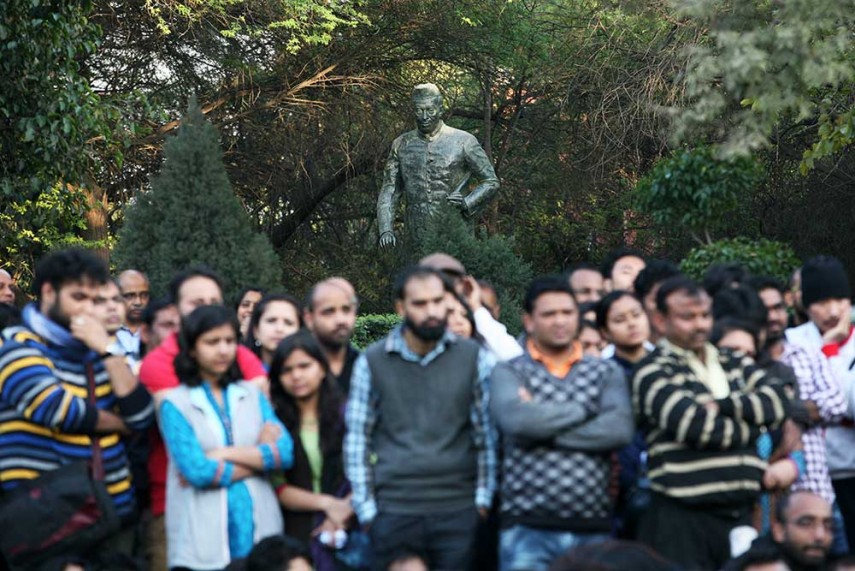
(191, 216)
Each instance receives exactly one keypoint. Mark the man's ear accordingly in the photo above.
(658, 321)
(47, 297)
(308, 319)
(399, 307)
(528, 323)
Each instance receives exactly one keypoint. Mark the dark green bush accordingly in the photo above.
(372, 327)
(760, 257)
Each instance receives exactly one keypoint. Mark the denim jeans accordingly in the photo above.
(523, 548)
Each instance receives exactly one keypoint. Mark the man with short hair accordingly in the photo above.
(189, 289)
(803, 528)
(647, 284)
(65, 393)
(561, 415)
(621, 267)
(420, 450)
(702, 411)
(160, 320)
(135, 295)
(330, 314)
(586, 282)
(7, 288)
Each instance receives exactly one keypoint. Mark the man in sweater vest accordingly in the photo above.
(561, 415)
(825, 297)
(419, 450)
(702, 411)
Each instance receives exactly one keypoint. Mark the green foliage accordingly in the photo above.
(373, 327)
(696, 190)
(760, 257)
(191, 216)
(490, 258)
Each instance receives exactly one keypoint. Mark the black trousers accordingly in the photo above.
(444, 540)
(844, 489)
(695, 538)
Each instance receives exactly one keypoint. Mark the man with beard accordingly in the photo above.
(701, 411)
(419, 450)
(561, 415)
(135, 294)
(803, 528)
(48, 365)
(330, 314)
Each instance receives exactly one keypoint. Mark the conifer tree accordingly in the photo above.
(191, 216)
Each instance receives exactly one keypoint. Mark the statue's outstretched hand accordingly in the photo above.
(388, 240)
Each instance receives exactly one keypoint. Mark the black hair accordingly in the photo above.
(587, 306)
(587, 324)
(153, 307)
(72, 265)
(613, 555)
(416, 273)
(763, 550)
(275, 553)
(329, 399)
(612, 258)
(725, 325)
(673, 285)
(724, 275)
(741, 302)
(245, 291)
(197, 323)
(759, 283)
(605, 305)
(470, 315)
(542, 285)
(9, 316)
(178, 279)
(258, 311)
(656, 271)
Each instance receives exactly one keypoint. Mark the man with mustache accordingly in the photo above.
(702, 411)
(803, 530)
(419, 450)
(330, 314)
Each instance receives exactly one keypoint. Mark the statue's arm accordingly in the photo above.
(389, 192)
(482, 168)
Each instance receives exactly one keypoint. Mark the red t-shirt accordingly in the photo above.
(157, 373)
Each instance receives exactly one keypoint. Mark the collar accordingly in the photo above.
(556, 368)
(396, 343)
(435, 136)
(710, 351)
(55, 334)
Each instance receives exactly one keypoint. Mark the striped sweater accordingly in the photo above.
(45, 418)
(702, 454)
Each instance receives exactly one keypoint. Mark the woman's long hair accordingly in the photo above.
(330, 424)
(250, 340)
(197, 323)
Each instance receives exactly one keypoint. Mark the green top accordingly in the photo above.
(311, 439)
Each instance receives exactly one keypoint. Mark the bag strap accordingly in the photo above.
(97, 457)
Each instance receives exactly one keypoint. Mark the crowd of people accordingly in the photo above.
(642, 420)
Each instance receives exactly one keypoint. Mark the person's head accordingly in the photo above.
(804, 527)
(300, 376)
(135, 294)
(461, 320)
(742, 303)
(66, 284)
(588, 310)
(7, 288)
(427, 108)
(109, 307)
(245, 303)
(207, 346)
(420, 299)
(591, 339)
(279, 553)
(622, 320)
(771, 292)
(737, 335)
(551, 317)
(825, 291)
(723, 276)
(194, 288)
(450, 267)
(586, 281)
(612, 555)
(684, 313)
(274, 318)
(330, 312)
(490, 298)
(649, 279)
(408, 562)
(160, 319)
(621, 267)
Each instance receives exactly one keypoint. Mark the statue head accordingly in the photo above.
(427, 107)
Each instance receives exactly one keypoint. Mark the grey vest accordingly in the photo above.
(197, 519)
(423, 439)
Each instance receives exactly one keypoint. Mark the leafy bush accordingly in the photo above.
(760, 257)
(373, 327)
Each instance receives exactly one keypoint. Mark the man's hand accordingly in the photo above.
(91, 332)
(388, 240)
(472, 292)
(270, 433)
(780, 475)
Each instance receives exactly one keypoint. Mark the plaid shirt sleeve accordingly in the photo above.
(360, 418)
(484, 432)
(817, 383)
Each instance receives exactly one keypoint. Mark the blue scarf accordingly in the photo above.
(58, 337)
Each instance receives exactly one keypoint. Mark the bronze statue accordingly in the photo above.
(432, 165)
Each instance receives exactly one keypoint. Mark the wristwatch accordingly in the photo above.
(113, 350)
